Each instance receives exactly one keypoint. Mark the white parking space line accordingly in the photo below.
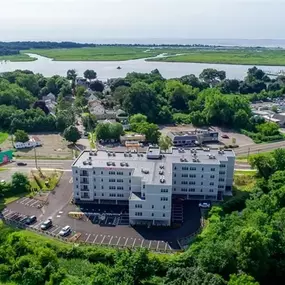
(103, 239)
(37, 224)
(118, 241)
(88, 237)
(149, 245)
(71, 180)
(110, 240)
(142, 243)
(157, 245)
(126, 241)
(95, 239)
(134, 242)
(24, 200)
(10, 213)
(165, 248)
(169, 246)
(28, 203)
(4, 211)
(34, 203)
(55, 229)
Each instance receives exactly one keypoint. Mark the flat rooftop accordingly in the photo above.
(151, 170)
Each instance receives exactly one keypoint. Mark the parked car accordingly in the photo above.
(225, 136)
(65, 231)
(204, 205)
(46, 224)
(30, 220)
(21, 163)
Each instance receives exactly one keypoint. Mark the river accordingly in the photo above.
(108, 69)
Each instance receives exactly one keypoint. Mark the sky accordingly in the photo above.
(95, 20)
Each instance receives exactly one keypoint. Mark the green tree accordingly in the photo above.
(151, 131)
(279, 157)
(97, 86)
(89, 122)
(106, 131)
(90, 74)
(29, 82)
(242, 279)
(212, 76)
(268, 129)
(165, 142)
(20, 183)
(71, 75)
(71, 134)
(136, 120)
(21, 136)
(265, 164)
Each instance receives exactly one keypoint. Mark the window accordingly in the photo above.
(174, 182)
(184, 182)
(112, 180)
(201, 190)
(174, 175)
(174, 167)
(112, 187)
(76, 171)
(120, 180)
(184, 175)
(192, 182)
(212, 176)
(143, 186)
(183, 189)
(211, 190)
(120, 195)
(163, 199)
(222, 179)
(130, 173)
(192, 176)
(94, 179)
(76, 179)
(152, 214)
(163, 207)
(138, 205)
(221, 186)
(112, 173)
(95, 187)
(212, 183)
(130, 181)
(192, 168)
(202, 168)
(191, 190)
(120, 188)
(164, 190)
(120, 173)
(130, 188)
(213, 169)
(102, 194)
(222, 172)
(222, 165)
(202, 183)
(163, 215)
(76, 186)
(102, 180)
(102, 187)
(112, 195)
(102, 172)
(94, 172)
(174, 189)
(185, 168)
(202, 176)
(138, 213)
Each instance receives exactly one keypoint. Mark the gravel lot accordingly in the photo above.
(54, 146)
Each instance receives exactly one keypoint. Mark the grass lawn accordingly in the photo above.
(245, 180)
(241, 56)
(3, 137)
(16, 58)
(44, 180)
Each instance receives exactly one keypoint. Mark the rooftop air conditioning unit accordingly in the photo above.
(194, 160)
(162, 179)
(109, 154)
(84, 163)
(126, 164)
(130, 155)
(90, 162)
(122, 164)
(125, 154)
(114, 154)
(109, 163)
(161, 172)
(113, 163)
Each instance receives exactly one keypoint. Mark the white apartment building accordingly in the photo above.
(148, 182)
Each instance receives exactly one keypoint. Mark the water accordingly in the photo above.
(108, 69)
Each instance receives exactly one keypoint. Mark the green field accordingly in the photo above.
(3, 137)
(16, 58)
(242, 56)
(95, 54)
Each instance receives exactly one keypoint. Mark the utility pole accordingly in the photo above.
(36, 159)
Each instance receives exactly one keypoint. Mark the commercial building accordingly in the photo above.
(32, 142)
(148, 182)
(193, 137)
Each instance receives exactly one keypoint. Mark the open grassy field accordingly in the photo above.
(3, 137)
(96, 54)
(242, 56)
(16, 58)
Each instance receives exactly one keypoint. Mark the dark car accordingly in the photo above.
(46, 225)
(30, 220)
(225, 136)
(21, 163)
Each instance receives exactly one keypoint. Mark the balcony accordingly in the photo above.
(84, 174)
(84, 181)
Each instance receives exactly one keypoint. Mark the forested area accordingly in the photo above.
(244, 247)
(21, 105)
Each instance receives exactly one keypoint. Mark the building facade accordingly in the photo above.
(147, 182)
(32, 142)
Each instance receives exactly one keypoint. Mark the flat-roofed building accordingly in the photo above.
(193, 137)
(148, 182)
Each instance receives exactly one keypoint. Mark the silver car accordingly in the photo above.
(65, 231)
